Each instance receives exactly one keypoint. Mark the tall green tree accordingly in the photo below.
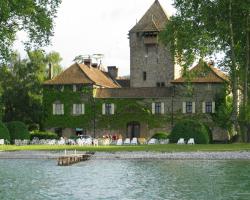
(30, 16)
(203, 28)
(21, 83)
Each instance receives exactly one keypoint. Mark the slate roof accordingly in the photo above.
(204, 73)
(83, 74)
(133, 92)
(154, 19)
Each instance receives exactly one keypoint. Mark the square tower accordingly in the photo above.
(151, 63)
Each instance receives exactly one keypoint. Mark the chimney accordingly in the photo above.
(87, 61)
(50, 71)
(113, 72)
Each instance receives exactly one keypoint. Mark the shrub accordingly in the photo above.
(43, 135)
(190, 129)
(4, 132)
(160, 135)
(18, 130)
(33, 127)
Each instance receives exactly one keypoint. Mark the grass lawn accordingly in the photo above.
(157, 148)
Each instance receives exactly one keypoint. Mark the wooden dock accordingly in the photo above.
(67, 160)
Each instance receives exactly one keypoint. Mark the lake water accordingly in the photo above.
(125, 179)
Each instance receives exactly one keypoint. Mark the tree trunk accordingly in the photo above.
(234, 116)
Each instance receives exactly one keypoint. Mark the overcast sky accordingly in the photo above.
(98, 26)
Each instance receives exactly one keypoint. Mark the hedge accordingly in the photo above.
(160, 135)
(190, 129)
(18, 130)
(43, 135)
(4, 132)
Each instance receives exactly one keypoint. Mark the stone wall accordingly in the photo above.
(154, 59)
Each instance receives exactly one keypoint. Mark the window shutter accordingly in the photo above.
(83, 109)
(213, 107)
(162, 108)
(183, 107)
(153, 108)
(54, 109)
(203, 107)
(193, 107)
(62, 109)
(112, 109)
(103, 108)
(74, 88)
(74, 109)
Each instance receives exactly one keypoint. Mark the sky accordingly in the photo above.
(86, 27)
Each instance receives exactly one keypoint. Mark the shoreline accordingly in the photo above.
(136, 155)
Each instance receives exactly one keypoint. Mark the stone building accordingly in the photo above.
(88, 100)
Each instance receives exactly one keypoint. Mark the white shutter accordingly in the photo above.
(193, 107)
(112, 109)
(62, 109)
(54, 109)
(184, 107)
(74, 88)
(213, 107)
(74, 109)
(162, 108)
(103, 108)
(203, 107)
(83, 109)
(153, 108)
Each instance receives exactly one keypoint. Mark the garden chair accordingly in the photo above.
(152, 141)
(127, 141)
(134, 141)
(61, 142)
(142, 140)
(95, 142)
(181, 141)
(1, 141)
(88, 141)
(191, 141)
(164, 141)
(119, 142)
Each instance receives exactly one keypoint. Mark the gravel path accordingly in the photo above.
(131, 155)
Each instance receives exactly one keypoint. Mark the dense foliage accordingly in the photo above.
(4, 132)
(160, 135)
(190, 129)
(21, 86)
(18, 130)
(35, 18)
(43, 135)
(202, 29)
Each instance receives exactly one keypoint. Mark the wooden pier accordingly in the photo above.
(67, 160)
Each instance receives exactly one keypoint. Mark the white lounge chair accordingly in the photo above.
(134, 141)
(95, 142)
(181, 141)
(191, 141)
(164, 141)
(127, 141)
(1, 141)
(152, 141)
(119, 142)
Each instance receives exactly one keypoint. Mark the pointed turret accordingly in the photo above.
(154, 19)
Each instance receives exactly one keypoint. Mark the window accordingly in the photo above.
(108, 109)
(189, 107)
(144, 76)
(58, 109)
(157, 108)
(74, 88)
(209, 107)
(78, 109)
(59, 88)
(209, 87)
(160, 84)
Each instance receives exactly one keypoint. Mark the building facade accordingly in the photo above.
(88, 100)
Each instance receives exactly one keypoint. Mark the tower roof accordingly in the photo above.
(154, 19)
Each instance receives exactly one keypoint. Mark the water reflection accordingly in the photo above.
(123, 179)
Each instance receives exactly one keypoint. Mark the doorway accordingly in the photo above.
(133, 129)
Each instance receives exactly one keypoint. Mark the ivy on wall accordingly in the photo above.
(126, 110)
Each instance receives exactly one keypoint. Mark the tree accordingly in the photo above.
(32, 17)
(201, 29)
(21, 83)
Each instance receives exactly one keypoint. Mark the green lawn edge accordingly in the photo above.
(149, 148)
